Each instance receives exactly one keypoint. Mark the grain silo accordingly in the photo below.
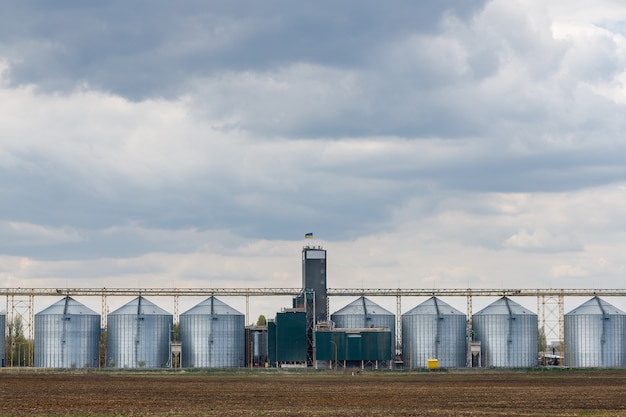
(212, 336)
(67, 335)
(594, 335)
(363, 313)
(434, 330)
(507, 333)
(139, 336)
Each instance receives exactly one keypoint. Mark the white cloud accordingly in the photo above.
(26, 234)
(541, 240)
(99, 137)
(569, 271)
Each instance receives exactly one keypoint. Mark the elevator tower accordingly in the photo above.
(314, 280)
(313, 294)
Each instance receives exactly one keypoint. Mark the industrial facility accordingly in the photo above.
(304, 334)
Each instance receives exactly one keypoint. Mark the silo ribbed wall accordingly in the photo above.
(212, 341)
(67, 341)
(507, 340)
(136, 341)
(595, 340)
(428, 336)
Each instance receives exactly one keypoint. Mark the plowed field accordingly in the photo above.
(265, 393)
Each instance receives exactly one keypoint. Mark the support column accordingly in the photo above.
(176, 315)
(309, 302)
(398, 326)
(104, 312)
(248, 309)
(22, 309)
(551, 316)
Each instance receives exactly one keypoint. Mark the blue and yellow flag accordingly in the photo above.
(308, 236)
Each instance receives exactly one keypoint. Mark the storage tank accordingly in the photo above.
(434, 330)
(256, 346)
(364, 313)
(67, 335)
(212, 336)
(259, 347)
(139, 336)
(594, 335)
(507, 333)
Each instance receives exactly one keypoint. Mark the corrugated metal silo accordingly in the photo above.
(594, 335)
(139, 335)
(434, 330)
(364, 313)
(67, 335)
(213, 336)
(508, 334)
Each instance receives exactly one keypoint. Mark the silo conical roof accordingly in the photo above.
(140, 306)
(212, 306)
(67, 305)
(363, 306)
(434, 306)
(504, 306)
(595, 306)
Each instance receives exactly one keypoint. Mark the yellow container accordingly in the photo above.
(433, 363)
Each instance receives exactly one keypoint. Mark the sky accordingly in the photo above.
(192, 144)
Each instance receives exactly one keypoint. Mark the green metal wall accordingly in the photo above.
(271, 342)
(353, 346)
(291, 337)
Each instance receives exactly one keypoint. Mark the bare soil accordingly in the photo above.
(276, 393)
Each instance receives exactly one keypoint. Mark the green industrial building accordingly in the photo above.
(354, 346)
(287, 336)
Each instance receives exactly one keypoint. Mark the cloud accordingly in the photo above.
(569, 271)
(24, 234)
(542, 241)
(144, 50)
